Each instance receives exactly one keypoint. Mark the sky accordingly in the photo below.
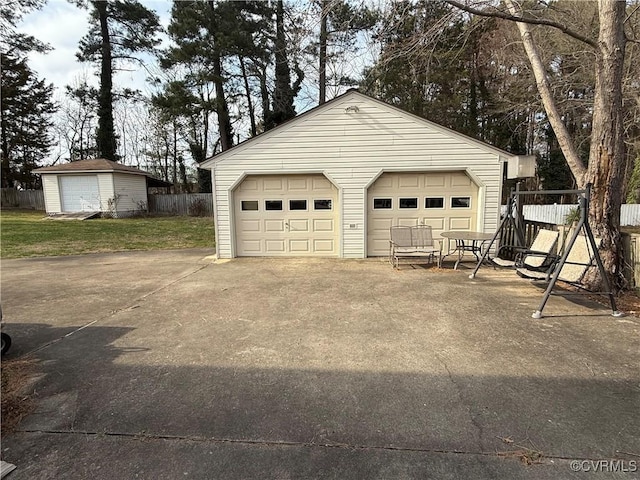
(62, 25)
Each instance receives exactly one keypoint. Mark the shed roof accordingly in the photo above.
(93, 166)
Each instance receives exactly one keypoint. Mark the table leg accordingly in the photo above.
(460, 248)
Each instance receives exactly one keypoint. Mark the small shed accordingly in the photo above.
(96, 185)
(331, 182)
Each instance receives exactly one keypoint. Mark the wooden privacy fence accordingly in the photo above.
(197, 204)
(508, 237)
(10, 197)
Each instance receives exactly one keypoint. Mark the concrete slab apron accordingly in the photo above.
(350, 354)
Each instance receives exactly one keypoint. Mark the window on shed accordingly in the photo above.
(273, 204)
(408, 202)
(381, 203)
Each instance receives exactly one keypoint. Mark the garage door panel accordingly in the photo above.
(381, 247)
(460, 223)
(385, 181)
(272, 184)
(250, 246)
(321, 183)
(435, 181)
(435, 223)
(324, 246)
(249, 185)
(407, 221)
(381, 224)
(297, 184)
(250, 225)
(273, 226)
(438, 187)
(460, 181)
(299, 225)
(274, 246)
(323, 225)
(300, 222)
(299, 246)
(409, 181)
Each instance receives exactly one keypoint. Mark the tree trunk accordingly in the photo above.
(264, 95)
(544, 88)
(607, 154)
(174, 174)
(252, 115)
(106, 139)
(283, 108)
(322, 57)
(224, 121)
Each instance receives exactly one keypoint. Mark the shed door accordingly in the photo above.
(286, 215)
(444, 200)
(79, 193)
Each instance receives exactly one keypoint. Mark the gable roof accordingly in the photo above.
(208, 163)
(92, 166)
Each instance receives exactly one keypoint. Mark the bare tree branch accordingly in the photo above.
(521, 19)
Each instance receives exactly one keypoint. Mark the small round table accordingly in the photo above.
(466, 242)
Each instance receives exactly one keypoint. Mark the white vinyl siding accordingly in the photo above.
(353, 149)
(132, 191)
(105, 183)
(51, 192)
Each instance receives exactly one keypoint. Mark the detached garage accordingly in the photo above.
(96, 185)
(331, 182)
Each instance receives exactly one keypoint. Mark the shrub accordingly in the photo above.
(198, 208)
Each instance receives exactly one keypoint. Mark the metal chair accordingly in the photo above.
(413, 243)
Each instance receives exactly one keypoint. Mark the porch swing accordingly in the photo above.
(579, 251)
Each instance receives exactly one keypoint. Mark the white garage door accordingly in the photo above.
(286, 215)
(444, 200)
(79, 193)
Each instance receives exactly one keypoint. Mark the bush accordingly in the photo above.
(198, 208)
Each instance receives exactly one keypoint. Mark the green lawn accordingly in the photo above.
(30, 234)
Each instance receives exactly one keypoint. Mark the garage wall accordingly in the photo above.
(105, 185)
(51, 194)
(352, 149)
(132, 189)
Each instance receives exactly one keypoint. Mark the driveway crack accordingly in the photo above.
(461, 397)
(143, 436)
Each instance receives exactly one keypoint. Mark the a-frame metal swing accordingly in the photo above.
(514, 218)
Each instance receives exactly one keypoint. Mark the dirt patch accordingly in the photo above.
(16, 400)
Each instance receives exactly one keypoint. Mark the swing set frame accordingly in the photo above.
(515, 218)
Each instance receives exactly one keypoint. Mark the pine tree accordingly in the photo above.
(119, 30)
(26, 111)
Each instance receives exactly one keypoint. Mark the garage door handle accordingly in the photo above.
(286, 224)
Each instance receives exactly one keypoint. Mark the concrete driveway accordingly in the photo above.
(167, 365)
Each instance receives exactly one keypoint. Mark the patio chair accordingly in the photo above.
(540, 256)
(413, 243)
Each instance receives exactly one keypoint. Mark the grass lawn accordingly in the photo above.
(30, 234)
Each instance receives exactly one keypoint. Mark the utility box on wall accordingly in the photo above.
(521, 166)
